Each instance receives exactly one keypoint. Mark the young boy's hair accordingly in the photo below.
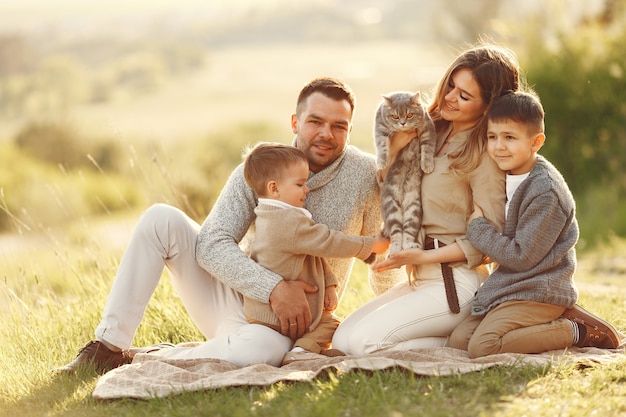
(267, 161)
(521, 107)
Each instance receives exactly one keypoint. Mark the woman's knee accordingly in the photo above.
(342, 340)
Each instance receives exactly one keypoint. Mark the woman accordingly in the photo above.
(417, 313)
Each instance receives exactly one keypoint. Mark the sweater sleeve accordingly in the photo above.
(537, 229)
(318, 240)
(217, 247)
(487, 183)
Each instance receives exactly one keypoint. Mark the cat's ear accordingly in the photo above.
(417, 98)
(387, 98)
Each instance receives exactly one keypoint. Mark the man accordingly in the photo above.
(209, 269)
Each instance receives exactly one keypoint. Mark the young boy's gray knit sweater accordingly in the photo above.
(344, 196)
(536, 254)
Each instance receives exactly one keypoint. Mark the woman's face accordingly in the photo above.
(463, 104)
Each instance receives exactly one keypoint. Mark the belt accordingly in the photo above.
(448, 277)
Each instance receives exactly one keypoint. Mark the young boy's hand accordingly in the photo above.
(381, 244)
(330, 298)
(477, 213)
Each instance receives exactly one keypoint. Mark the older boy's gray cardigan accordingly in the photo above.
(344, 196)
(536, 252)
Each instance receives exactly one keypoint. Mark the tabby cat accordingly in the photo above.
(401, 191)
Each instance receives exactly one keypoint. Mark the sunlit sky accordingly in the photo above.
(29, 13)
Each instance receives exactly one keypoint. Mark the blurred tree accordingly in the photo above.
(61, 144)
(61, 83)
(582, 86)
(16, 55)
(580, 76)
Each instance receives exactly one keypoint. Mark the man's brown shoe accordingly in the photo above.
(96, 355)
(593, 331)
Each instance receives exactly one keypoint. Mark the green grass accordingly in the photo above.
(55, 275)
(54, 288)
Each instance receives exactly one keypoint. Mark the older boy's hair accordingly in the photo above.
(330, 87)
(521, 107)
(267, 161)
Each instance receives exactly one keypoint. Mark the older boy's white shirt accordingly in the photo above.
(512, 184)
(282, 204)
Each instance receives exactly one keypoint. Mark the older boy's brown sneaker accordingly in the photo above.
(96, 355)
(593, 331)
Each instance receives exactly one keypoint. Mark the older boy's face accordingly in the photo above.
(322, 129)
(512, 146)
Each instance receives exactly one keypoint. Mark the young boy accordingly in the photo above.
(291, 244)
(527, 305)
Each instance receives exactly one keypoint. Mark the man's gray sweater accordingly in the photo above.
(344, 196)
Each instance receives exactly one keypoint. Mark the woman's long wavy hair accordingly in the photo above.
(496, 70)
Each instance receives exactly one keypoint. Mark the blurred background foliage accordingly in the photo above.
(54, 169)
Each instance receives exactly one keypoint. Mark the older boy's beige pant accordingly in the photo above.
(514, 327)
(166, 237)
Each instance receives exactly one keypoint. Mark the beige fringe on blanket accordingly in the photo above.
(152, 376)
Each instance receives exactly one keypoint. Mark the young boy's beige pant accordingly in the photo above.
(318, 339)
(514, 327)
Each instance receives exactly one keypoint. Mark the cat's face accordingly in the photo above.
(403, 112)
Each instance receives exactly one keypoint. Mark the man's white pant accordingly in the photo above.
(165, 236)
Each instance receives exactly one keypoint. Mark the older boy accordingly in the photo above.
(527, 305)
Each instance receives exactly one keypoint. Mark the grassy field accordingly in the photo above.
(54, 286)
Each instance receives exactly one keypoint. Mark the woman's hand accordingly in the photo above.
(398, 141)
(477, 213)
(411, 256)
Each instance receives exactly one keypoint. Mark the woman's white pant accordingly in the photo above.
(408, 317)
(166, 237)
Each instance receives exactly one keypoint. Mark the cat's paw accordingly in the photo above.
(395, 247)
(428, 167)
(410, 245)
(382, 161)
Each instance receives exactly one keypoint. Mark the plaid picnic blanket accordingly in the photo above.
(152, 376)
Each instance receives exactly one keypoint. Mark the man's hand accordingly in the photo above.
(288, 300)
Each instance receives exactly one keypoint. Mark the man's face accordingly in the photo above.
(322, 129)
